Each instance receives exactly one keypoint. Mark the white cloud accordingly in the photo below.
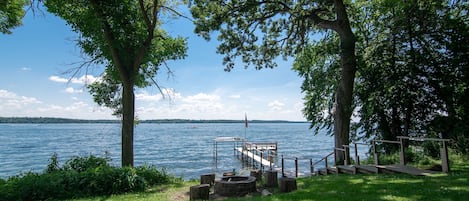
(9, 100)
(276, 105)
(85, 79)
(77, 110)
(58, 79)
(235, 96)
(71, 90)
(26, 69)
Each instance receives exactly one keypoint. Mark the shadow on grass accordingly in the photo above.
(392, 187)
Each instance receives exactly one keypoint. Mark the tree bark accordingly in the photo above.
(344, 94)
(128, 117)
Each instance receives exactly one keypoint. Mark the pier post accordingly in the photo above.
(311, 167)
(283, 167)
(253, 161)
(262, 166)
(296, 166)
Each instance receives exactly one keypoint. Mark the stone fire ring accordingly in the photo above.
(235, 185)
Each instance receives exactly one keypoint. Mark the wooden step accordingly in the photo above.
(404, 169)
(347, 169)
(367, 169)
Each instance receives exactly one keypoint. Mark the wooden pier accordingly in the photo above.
(257, 158)
(260, 154)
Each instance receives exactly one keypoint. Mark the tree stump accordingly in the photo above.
(271, 178)
(287, 185)
(200, 192)
(207, 179)
(257, 174)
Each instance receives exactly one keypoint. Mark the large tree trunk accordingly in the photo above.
(344, 94)
(128, 117)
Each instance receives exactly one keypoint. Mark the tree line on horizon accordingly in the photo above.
(399, 67)
(46, 120)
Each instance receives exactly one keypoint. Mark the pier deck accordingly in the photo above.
(255, 157)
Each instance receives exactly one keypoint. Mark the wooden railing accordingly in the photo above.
(346, 151)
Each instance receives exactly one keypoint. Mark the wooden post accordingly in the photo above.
(199, 192)
(283, 167)
(311, 167)
(287, 185)
(262, 166)
(216, 155)
(271, 179)
(296, 166)
(335, 157)
(271, 158)
(347, 154)
(402, 152)
(207, 179)
(327, 165)
(357, 160)
(253, 161)
(375, 153)
(444, 157)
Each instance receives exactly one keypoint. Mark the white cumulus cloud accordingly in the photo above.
(276, 105)
(72, 90)
(85, 79)
(12, 100)
(58, 79)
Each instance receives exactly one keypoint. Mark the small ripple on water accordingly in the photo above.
(183, 149)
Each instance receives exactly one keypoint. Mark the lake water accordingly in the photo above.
(185, 150)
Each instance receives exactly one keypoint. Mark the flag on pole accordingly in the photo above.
(246, 119)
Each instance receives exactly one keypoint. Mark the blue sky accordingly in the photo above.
(34, 58)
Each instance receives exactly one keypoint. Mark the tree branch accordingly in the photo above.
(109, 37)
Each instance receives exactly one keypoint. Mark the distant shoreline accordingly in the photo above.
(52, 120)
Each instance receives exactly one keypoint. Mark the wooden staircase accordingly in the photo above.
(375, 169)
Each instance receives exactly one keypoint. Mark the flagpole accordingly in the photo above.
(246, 125)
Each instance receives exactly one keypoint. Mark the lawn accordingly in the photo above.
(382, 187)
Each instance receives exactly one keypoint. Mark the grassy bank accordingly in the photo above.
(385, 187)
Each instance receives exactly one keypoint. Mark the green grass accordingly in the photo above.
(382, 187)
(178, 191)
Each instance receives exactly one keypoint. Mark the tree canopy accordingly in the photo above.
(257, 32)
(11, 13)
(412, 70)
(125, 38)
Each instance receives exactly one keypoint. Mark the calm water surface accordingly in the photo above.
(185, 150)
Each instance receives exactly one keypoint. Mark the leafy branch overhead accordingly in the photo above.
(259, 31)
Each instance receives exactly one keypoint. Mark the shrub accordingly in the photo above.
(80, 177)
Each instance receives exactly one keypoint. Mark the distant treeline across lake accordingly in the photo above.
(39, 120)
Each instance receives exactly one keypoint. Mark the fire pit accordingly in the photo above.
(235, 185)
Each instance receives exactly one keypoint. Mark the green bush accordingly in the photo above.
(80, 177)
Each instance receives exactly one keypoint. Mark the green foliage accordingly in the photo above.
(11, 13)
(80, 177)
(257, 32)
(319, 66)
(412, 75)
(117, 34)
